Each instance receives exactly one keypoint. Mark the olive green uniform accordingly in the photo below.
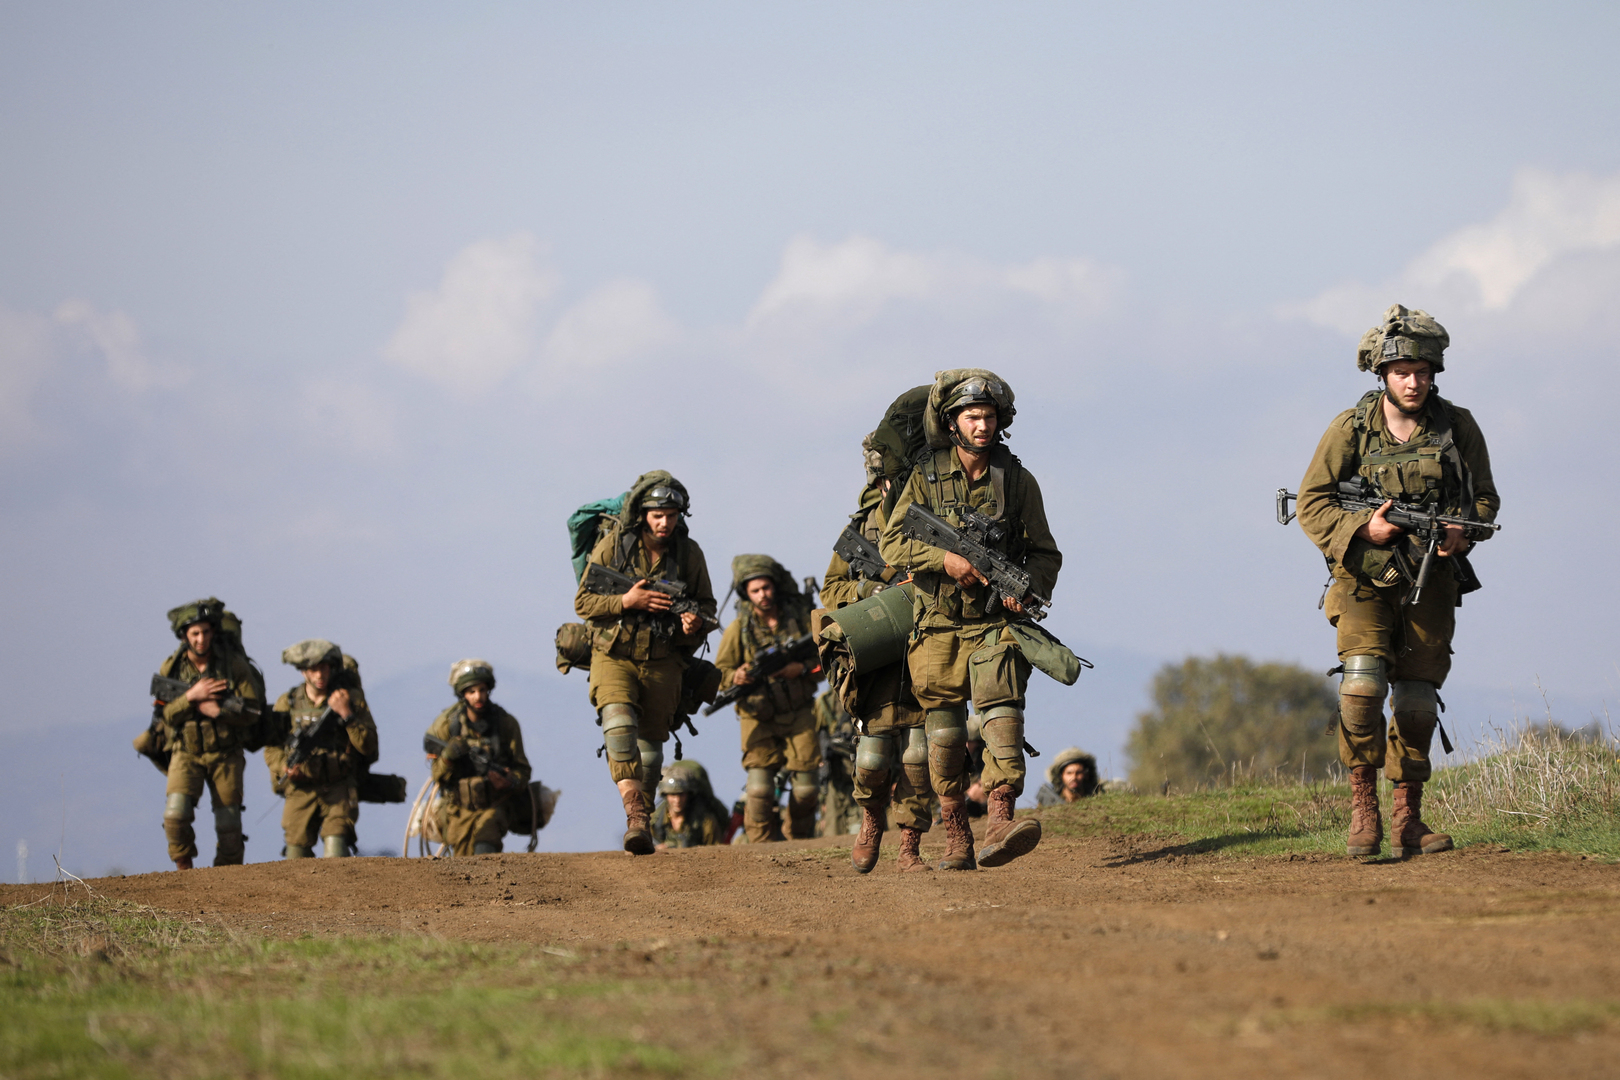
(474, 809)
(835, 729)
(895, 772)
(776, 719)
(209, 751)
(1364, 600)
(637, 657)
(324, 800)
(959, 651)
(701, 826)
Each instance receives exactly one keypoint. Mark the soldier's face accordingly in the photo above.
(977, 424)
(661, 523)
(677, 802)
(1408, 382)
(476, 696)
(1074, 775)
(200, 638)
(319, 677)
(762, 593)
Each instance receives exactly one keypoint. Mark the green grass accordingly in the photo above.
(98, 988)
(1258, 818)
(1492, 1015)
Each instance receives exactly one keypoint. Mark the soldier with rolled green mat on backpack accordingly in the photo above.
(1414, 447)
(961, 648)
(478, 762)
(891, 754)
(776, 718)
(207, 728)
(326, 736)
(639, 649)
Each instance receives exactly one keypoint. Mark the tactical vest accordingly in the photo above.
(334, 757)
(200, 735)
(632, 636)
(947, 498)
(775, 696)
(1424, 472)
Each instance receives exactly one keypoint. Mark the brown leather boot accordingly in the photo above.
(910, 853)
(1408, 835)
(183, 863)
(867, 841)
(1005, 838)
(637, 839)
(1366, 823)
(959, 853)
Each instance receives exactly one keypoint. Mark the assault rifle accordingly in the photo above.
(605, 581)
(767, 662)
(482, 761)
(1424, 523)
(861, 554)
(301, 743)
(165, 690)
(974, 541)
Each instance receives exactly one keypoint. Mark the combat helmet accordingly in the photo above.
(676, 782)
(655, 490)
(955, 390)
(209, 610)
(312, 652)
(745, 568)
(1403, 334)
(465, 673)
(1067, 757)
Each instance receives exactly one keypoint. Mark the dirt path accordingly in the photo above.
(1088, 958)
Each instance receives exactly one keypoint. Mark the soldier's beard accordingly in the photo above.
(1401, 404)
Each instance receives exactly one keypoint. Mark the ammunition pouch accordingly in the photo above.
(474, 793)
(998, 674)
(573, 647)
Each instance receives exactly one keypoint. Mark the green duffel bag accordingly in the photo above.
(1043, 650)
(876, 629)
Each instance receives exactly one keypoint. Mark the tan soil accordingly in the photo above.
(1094, 957)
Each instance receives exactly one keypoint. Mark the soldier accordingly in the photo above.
(206, 729)
(639, 651)
(835, 731)
(1414, 446)
(478, 762)
(329, 730)
(689, 815)
(777, 718)
(960, 646)
(891, 757)
(1072, 776)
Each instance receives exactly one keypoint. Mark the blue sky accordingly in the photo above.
(337, 313)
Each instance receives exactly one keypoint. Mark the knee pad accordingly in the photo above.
(975, 727)
(1004, 732)
(297, 851)
(915, 751)
(652, 762)
(1415, 695)
(484, 847)
(947, 740)
(874, 754)
(180, 807)
(227, 819)
(805, 786)
(1365, 676)
(337, 847)
(760, 784)
(619, 732)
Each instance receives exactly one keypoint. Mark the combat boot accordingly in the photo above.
(637, 839)
(1408, 835)
(910, 855)
(864, 856)
(959, 853)
(1366, 823)
(1006, 838)
(183, 863)
(801, 818)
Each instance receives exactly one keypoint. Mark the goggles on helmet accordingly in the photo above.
(663, 496)
(976, 391)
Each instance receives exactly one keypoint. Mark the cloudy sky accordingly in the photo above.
(337, 313)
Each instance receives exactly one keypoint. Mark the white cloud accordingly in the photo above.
(1483, 268)
(350, 414)
(26, 352)
(480, 324)
(114, 335)
(847, 284)
(619, 321)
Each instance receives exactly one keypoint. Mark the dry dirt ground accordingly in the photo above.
(1090, 957)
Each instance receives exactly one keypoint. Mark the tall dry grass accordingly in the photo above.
(1533, 776)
